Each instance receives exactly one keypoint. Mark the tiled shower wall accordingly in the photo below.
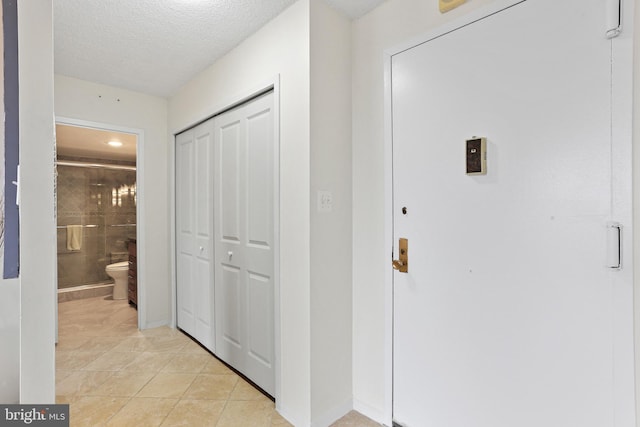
(104, 202)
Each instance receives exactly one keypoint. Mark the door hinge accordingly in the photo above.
(17, 184)
(614, 18)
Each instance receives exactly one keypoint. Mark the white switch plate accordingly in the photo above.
(325, 201)
(447, 5)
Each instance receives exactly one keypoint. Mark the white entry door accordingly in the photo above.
(508, 315)
(194, 224)
(245, 239)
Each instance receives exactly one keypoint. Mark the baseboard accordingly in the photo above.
(369, 411)
(156, 324)
(287, 416)
(332, 415)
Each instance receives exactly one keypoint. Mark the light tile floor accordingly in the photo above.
(112, 374)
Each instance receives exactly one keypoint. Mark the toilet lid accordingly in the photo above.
(118, 265)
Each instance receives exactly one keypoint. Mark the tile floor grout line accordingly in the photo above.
(118, 411)
(169, 412)
(89, 322)
(224, 407)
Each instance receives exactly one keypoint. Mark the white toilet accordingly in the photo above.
(119, 272)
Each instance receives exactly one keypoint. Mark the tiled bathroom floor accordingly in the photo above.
(112, 374)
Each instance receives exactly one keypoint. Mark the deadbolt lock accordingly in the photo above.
(402, 263)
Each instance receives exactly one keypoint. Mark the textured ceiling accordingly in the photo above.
(156, 46)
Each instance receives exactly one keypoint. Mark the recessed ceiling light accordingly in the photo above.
(115, 143)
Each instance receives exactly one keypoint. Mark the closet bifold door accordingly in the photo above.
(194, 225)
(244, 239)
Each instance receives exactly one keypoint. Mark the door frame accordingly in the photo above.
(622, 126)
(239, 98)
(140, 211)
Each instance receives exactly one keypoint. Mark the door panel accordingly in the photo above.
(204, 222)
(232, 311)
(186, 312)
(185, 232)
(260, 314)
(260, 175)
(202, 301)
(204, 143)
(230, 168)
(504, 317)
(194, 221)
(244, 141)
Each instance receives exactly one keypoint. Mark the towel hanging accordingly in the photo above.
(74, 237)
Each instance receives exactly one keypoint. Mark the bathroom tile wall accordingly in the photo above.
(104, 202)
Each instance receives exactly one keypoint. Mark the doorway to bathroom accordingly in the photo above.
(96, 213)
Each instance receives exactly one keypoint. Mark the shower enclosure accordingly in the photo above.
(96, 218)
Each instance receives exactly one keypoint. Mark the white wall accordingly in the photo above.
(331, 302)
(279, 48)
(37, 228)
(10, 339)
(86, 101)
(636, 201)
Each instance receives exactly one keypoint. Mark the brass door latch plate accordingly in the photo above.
(402, 263)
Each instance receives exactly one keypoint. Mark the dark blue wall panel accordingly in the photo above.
(11, 139)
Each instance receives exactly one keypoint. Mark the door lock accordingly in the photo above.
(402, 264)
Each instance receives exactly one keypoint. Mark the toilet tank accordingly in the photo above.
(119, 257)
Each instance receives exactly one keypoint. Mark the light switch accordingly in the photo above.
(447, 5)
(325, 201)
